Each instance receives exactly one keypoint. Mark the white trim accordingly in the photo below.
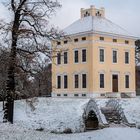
(93, 32)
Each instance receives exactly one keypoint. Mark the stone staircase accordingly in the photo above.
(115, 114)
(112, 116)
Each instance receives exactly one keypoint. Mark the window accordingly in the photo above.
(101, 55)
(76, 95)
(84, 95)
(65, 57)
(102, 38)
(58, 82)
(58, 58)
(126, 42)
(84, 55)
(76, 56)
(83, 38)
(65, 81)
(114, 56)
(114, 40)
(76, 78)
(66, 41)
(76, 40)
(58, 95)
(126, 81)
(65, 95)
(58, 43)
(84, 81)
(101, 80)
(126, 57)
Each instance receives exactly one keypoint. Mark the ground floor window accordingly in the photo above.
(76, 80)
(65, 81)
(126, 81)
(58, 82)
(101, 80)
(84, 81)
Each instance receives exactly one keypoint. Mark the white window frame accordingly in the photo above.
(67, 58)
(117, 56)
(74, 56)
(128, 57)
(101, 48)
(67, 82)
(82, 55)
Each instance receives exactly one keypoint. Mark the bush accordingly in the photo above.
(67, 131)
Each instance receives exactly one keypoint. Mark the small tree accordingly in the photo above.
(28, 38)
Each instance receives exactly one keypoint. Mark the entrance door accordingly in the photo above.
(115, 83)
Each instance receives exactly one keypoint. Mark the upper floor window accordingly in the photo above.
(58, 58)
(101, 55)
(65, 57)
(58, 43)
(66, 41)
(65, 81)
(76, 40)
(76, 56)
(83, 38)
(126, 81)
(126, 42)
(58, 82)
(84, 81)
(101, 80)
(102, 38)
(76, 80)
(86, 14)
(84, 55)
(98, 14)
(114, 40)
(126, 57)
(114, 56)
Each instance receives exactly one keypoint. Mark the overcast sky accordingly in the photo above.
(125, 13)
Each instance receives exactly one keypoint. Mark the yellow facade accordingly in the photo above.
(93, 67)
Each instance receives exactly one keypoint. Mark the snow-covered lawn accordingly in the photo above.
(51, 114)
(13, 132)
(54, 115)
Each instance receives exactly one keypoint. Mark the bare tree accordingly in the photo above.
(28, 39)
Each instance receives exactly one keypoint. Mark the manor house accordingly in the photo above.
(98, 61)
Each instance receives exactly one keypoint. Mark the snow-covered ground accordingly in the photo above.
(54, 115)
(13, 132)
(51, 114)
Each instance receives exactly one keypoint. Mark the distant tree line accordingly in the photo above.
(27, 84)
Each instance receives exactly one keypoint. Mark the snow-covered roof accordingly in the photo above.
(95, 24)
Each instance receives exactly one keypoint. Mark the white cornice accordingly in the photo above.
(92, 32)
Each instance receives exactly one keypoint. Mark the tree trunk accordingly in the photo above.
(10, 87)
